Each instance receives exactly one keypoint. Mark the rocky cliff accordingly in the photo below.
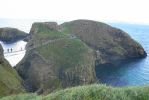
(111, 44)
(10, 82)
(9, 35)
(60, 56)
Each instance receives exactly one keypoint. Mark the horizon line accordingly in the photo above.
(62, 21)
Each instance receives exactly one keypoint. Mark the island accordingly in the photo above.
(10, 35)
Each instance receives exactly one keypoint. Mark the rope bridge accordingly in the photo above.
(14, 51)
(10, 51)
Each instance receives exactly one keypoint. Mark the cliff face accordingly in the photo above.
(54, 60)
(9, 35)
(60, 56)
(10, 82)
(111, 44)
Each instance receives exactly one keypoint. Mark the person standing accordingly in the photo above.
(11, 49)
(7, 50)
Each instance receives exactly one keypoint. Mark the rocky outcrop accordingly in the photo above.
(54, 60)
(10, 82)
(60, 56)
(111, 44)
(9, 35)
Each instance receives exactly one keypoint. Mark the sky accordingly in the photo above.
(129, 11)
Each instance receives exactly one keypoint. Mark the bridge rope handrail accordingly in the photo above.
(14, 51)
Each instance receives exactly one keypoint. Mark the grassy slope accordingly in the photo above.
(66, 52)
(72, 61)
(70, 50)
(43, 32)
(72, 56)
(90, 92)
(10, 82)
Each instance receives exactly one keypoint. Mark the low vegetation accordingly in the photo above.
(90, 92)
(10, 82)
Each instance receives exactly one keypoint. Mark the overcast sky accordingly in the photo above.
(131, 11)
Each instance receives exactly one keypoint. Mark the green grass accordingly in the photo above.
(90, 92)
(23, 97)
(44, 32)
(100, 92)
(10, 82)
(66, 29)
(66, 53)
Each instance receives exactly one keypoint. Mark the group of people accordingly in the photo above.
(10, 50)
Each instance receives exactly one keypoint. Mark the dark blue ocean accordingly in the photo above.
(134, 73)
